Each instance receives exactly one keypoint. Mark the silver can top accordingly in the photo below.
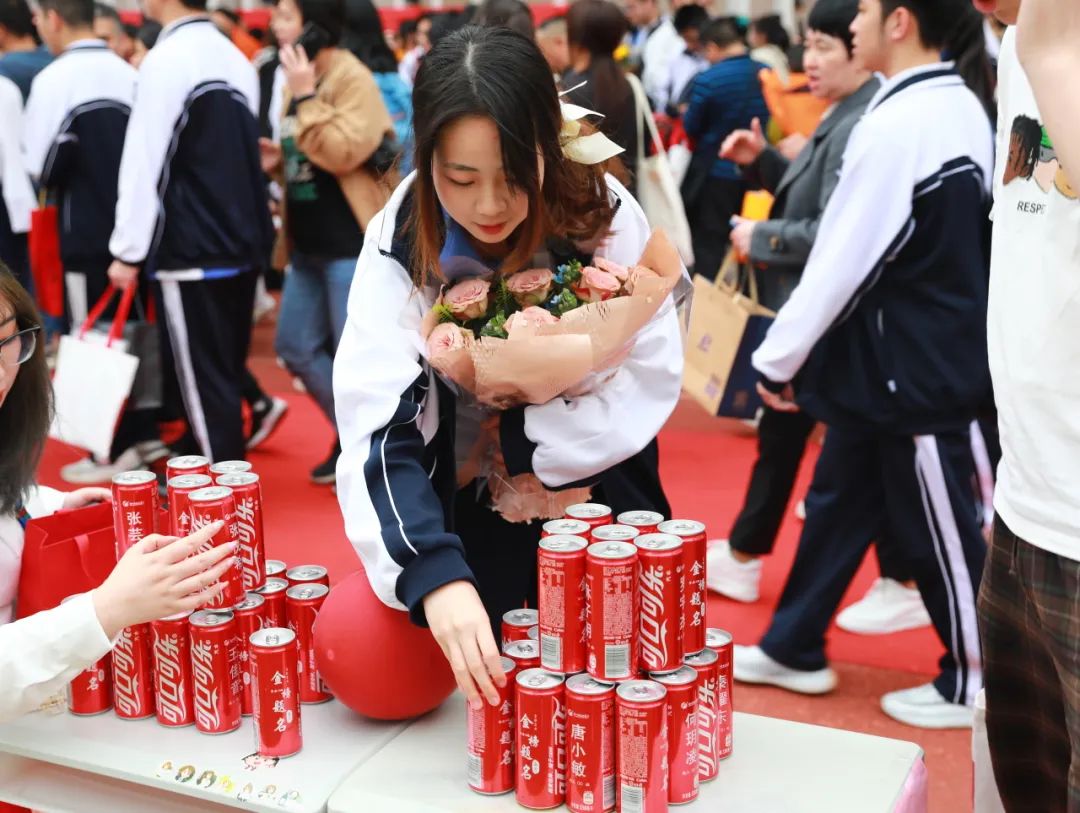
(683, 676)
(273, 586)
(641, 691)
(188, 461)
(521, 618)
(191, 481)
(134, 478)
(612, 550)
(211, 618)
(238, 478)
(574, 527)
(210, 494)
(614, 533)
(660, 542)
(250, 602)
(563, 543)
(639, 519)
(305, 573)
(539, 679)
(275, 565)
(589, 686)
(270, 637)
(230, 467)
(716, 637)
(681, 527)
(705, 657)
(534, 632)
(508, 665)
(304, 592)
(525, 650)
(588, 510)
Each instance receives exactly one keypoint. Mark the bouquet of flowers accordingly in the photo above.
(541, 334)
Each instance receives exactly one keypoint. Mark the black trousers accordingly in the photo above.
(206, 328)
(782, 439)
(710, 222)
(916, 490)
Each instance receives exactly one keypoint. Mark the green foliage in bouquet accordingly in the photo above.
(444, 313)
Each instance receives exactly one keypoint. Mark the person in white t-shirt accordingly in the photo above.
(1028, 605)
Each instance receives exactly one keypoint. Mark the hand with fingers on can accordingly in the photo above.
(460, 624)
(161, 576)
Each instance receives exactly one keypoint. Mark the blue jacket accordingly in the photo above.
(398, 100)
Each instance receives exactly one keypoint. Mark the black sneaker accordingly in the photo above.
(326, 472)
(265, 418)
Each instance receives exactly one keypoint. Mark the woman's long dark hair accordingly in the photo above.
(598, 27)
(499, 74)
(27, 411)
(363, 36)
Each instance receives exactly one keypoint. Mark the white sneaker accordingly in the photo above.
(729, 577)
(888, 606)
(752, 665)
(265, 422)
(88, 471)
(924, 707)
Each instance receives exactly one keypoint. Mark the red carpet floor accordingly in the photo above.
(706, 463)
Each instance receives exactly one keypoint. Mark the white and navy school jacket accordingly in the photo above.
(888, 325)
(76, 117)
(192, 198)
(396, 476)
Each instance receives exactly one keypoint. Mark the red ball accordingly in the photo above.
(375, 660)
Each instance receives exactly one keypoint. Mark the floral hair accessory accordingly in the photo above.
(594, 148)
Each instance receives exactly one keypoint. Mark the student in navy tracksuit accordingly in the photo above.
(193, 213)
(885, 340)
(505, 197)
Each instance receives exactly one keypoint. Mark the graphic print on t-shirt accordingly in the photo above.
(299, 174)
(1032, 157)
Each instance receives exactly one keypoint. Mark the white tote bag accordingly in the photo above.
(93, 381)
(657, 191)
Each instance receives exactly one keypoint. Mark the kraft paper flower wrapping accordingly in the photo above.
(539, 362)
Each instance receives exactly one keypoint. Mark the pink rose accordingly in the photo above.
(533, 316)
(620, 272)
(530, 287)
(596, 285)
(638, 273)
(445, 338)
(468, 299)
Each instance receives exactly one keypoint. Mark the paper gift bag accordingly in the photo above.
(93, 382)
(727, 323)
(46, 268)
(65, 553)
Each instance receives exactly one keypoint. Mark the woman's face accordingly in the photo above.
(471, 184)
(830, 70)
(286, 22)
(8, 328)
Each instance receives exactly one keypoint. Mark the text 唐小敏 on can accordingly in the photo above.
(561, 602)
(275, 695)
(490, 755)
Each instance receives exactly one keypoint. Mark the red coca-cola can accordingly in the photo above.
(611, 608)
(565, 527)
(641, 709)
(247, 496)
(172, 671)
(90, 691)
(302, 603)
(540, 733)
(250, 618)
(490, 755)
(683, 755)
(692, 534)
(307, 574)
(704, 663)
(181, 488)
(275, 694)
(229, 467)
(590, 512)
(526, 654)
(210, 505)
(644, 522)
(590, 745)
(515, 625)
(660, 589)
(561, 602)
(614, 533)
(275, 569)
(135, 507)
(215, 668)
(186, 464)
(133, 673)
(274, 611)
(723, 644)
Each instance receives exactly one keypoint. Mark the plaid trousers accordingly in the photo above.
(1029, 614)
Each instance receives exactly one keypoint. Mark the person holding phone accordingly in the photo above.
(334, 121)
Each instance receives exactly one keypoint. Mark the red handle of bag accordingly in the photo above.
(122, 311)
(82, 542)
